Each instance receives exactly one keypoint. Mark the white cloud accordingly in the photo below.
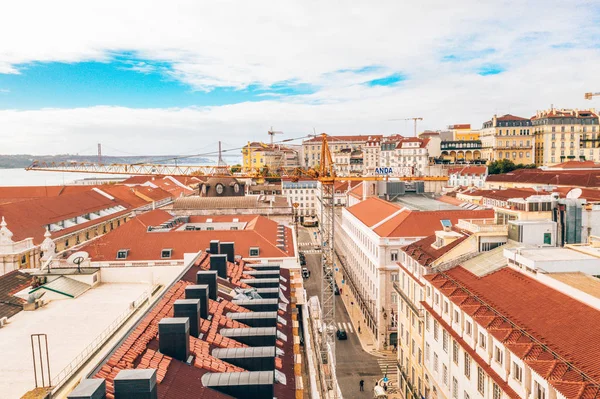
(319, 43)
(4, 91)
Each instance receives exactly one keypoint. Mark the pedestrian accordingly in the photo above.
(362, 385)
(359, 329)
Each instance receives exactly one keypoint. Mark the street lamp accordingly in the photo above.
(385, 324)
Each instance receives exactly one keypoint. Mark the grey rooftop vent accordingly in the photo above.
(253, 336)
(89, 388)
(208, 277)
(219, 263)
(268, 293)
(136, 383)
(261, 358)
(189, 308)
(199, 292)
(263, 273)
(261, 282)
(173, 337)
(258, 305)
(264, 266)
(246, 385)
(255, 319)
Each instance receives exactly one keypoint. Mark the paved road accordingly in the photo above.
(353, 364)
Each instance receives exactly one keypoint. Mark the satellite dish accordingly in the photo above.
(78, 258)
(575, 193)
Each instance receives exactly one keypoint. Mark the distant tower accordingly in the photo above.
(220, 162)
(99, 153)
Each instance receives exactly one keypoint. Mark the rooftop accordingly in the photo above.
(141, 244)
(11, 283)
(70, 324)
(177, 379)
(245, 202)
(388, 219)
(468, 170)
(580, 281)
(333, 139)
(573, 178)
(535, 322)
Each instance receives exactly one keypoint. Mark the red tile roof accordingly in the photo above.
(22, 193)
(407, 223)
(509, 117)
(577, 165)
(425, 254)
(469, 170)
(10, 284)
(537, 323)
(574, 178)
(504, 195)
(260, 232)
(424, 223)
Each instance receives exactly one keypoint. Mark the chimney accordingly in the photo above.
(136, 384)
(173, 337)
(260, 358)
(214, 247)
(219, 263)
(199, 292)
(89, 388)
(208, 277)
(245, 385)
(255, 319)
(189, 308)
(252, 336)
(227, 248)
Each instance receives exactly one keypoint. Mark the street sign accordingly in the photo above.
(385, 379)
(337, 270)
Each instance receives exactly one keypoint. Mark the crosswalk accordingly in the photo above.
(388, 365)
(346, 327)
(306, 244)
(311, 251)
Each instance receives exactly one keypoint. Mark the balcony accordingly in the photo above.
(513, 147)
(460, 145)
(482, 226)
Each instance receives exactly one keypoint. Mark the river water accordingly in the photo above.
(21, 177)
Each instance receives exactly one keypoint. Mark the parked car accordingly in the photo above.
(341, 334)
(305, 273)
(336, 289)
(302, 262)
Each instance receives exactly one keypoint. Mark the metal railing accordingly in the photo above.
(481, 225)
(454, 262)
(59, 379)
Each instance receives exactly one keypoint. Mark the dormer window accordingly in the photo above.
(122, 253)
(165, 253)
(254, 251)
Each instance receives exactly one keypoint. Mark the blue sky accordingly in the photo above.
(118, 83)
(185, 73)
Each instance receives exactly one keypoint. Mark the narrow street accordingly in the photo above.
(353, 363)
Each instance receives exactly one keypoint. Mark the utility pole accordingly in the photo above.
(99, 153)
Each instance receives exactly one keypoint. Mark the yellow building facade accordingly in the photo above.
(463, 132)
(508, 137)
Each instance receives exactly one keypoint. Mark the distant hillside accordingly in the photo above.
(24, 160)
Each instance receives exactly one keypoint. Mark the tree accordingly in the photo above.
(505, 166)
(236, 168)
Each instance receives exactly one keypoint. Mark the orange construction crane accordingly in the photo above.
(588, 96)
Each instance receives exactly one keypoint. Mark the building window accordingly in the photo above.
(435, 330)
(427, 349)
(467, 395)
(427, 321)
(435, 362)
(517, 372)
(468, 327)
(437, 298)
(454, 388)
(233, 228)
(165, 253)
(122, 253)
(446, 307)
(394, 255)
(23, 259)
(482, 340)
(445, 374)
(254, 251)
(480, 380)
(455, 351)
(498, 355)
(456, 317)
(497, 392)
(539, 391)
(467, 366)
(445, 340)
(66, 242)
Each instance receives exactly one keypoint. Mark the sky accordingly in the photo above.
(175, 77)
